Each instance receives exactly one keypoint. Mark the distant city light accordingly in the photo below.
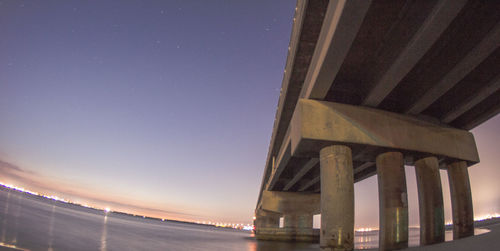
(247, 227)
(241, 226)
(366, 229)
(487, 217)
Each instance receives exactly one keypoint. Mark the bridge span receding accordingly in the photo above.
(368, 87)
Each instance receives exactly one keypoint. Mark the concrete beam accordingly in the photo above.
(340, 26)
(306, 168)
(290, 202)
(490, 113)
(489, 44)
(363, 167)
(317, 124)
(280, 164)
(367, 173)
(436, 22)
(309, 184)
(475, 99)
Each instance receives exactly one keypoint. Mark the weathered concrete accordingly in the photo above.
(430, 200)
(316, 124)
(297, 210)
(393, 201)
(266, 224)
(290, 202)
(461, 200)
(337, 198)
(265, 220)
(299, 227)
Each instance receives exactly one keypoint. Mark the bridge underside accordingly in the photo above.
(368, 132)
(371, 86)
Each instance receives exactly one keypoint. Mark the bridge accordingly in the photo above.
(368, 87)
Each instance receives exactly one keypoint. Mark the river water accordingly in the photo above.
(29, 222)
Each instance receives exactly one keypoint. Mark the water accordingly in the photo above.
(369, 240)
(32, 223)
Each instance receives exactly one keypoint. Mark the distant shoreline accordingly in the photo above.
(69, 203)
(479, 223)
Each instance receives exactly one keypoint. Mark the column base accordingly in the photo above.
(282, 234)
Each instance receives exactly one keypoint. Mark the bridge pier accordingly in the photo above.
(338, 132)
(385, 116)
(461, 200)
(266, 224)
(430, 200)
(337, 198)
(298, 227)
(393, 201)
(297, 211)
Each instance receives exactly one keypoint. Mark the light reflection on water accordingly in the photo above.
(33, 223)
(51, 228)
(104, 234)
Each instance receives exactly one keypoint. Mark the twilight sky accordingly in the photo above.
(161, 107)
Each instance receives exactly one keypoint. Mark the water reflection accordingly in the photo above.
(365, 240)
(4, 221)
(104, 235)
(362, 240)
(40, 224)
(51, 228)
(10, 221)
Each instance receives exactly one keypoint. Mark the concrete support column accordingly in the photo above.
(461, 200)
(337, 198)
(430, 201)
(393, 201)
(266, 224)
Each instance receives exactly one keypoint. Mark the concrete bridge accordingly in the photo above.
(371, 86)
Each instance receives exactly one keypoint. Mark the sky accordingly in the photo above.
(162, 108)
